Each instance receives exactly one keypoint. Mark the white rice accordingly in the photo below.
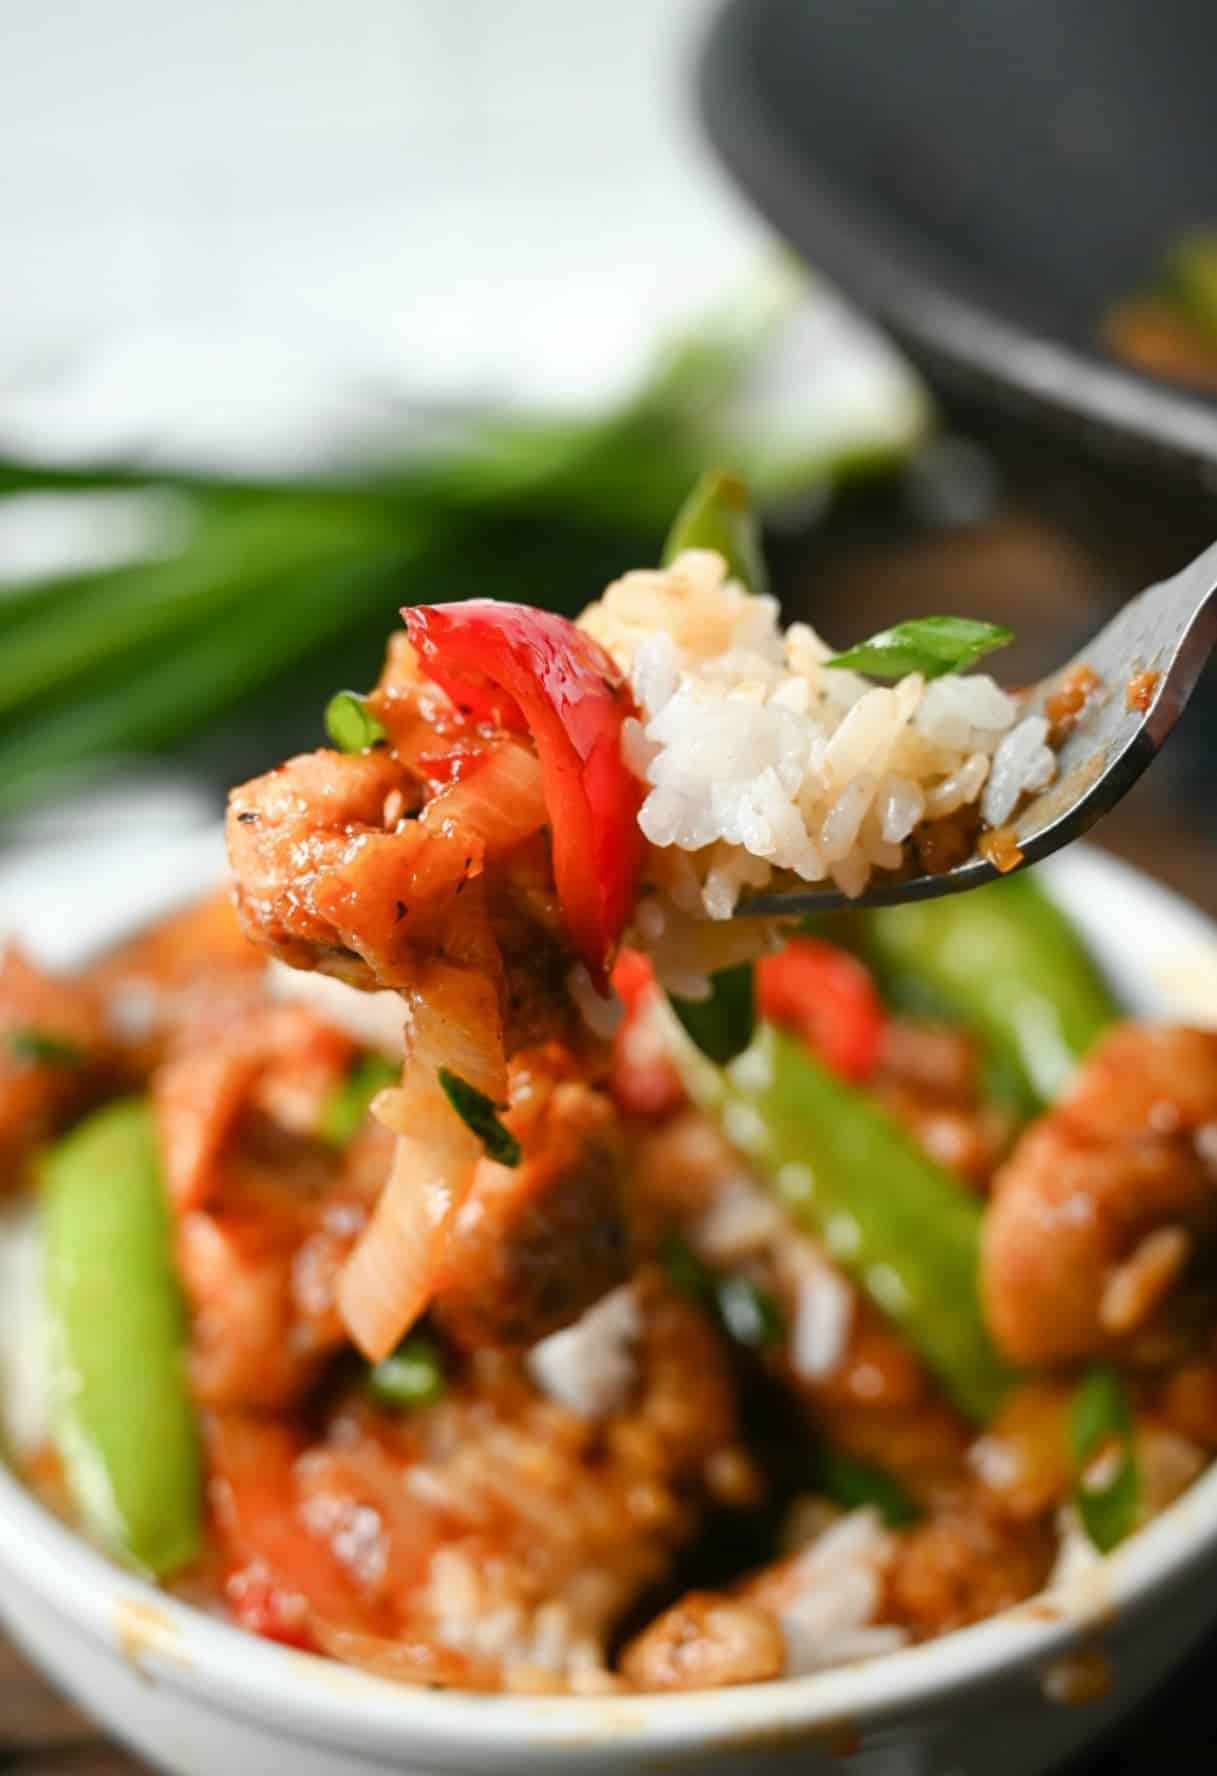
(823, 1317)
(757, 758)
(591, 1367)
(829, 1596)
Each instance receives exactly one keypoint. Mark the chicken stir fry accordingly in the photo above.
(519, 1276)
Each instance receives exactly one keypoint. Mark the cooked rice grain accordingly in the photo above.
(756, 758)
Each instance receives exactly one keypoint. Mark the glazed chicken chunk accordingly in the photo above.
(1106, 1199)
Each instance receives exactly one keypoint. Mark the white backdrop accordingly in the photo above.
(223, 225)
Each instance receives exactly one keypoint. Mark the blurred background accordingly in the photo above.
(310, 310)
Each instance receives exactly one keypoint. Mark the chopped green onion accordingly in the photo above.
(412, 1375)
(685, 1270)
(723, 1025)
(1107, 1487)
(350, 724)
(480, 1113)
(344, 1110)
(41, 1048)
(748, 1312)
(718, 515)
(741, 1308)
(929, 645)
(852, 1483)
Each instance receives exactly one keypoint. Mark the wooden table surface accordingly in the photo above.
(40, 1732)
(1065, 547)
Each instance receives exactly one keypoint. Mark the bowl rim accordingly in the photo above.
(315, 1699)
(1167, 426)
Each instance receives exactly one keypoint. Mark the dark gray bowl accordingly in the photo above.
(986, 177)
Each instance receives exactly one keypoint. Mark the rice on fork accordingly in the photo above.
(521, 795)
(757, 758)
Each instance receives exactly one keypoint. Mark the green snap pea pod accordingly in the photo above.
(1007, 962)
(718, 515)
(124, 1425)
(906, 1230)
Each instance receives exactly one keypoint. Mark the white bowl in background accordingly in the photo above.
(199, 1697)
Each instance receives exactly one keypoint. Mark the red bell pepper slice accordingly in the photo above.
(535, 672)
(278, 1577)
(828, 998)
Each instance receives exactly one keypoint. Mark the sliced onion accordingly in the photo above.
(454, 1022)
(500, 802)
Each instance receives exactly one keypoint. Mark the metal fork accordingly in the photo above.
(1170, 631)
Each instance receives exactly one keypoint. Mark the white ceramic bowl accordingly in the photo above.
(198, 1697)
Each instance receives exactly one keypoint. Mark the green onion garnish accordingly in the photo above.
(412, 1375)
(718, 515)
(343, 1112)
(685, 1270)
(929, 645)
(41, 1048)
(480, 1113)
(742, 1309)
(748, 1312)
(852, 1483)
(350, 724)
(723, 1025)
(1107, 1487)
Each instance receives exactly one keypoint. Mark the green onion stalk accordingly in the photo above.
(256, 579)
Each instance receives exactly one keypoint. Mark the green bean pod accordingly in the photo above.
(124, 1424)
(905, 1229)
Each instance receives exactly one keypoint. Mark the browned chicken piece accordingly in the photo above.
(196, 965)
(536, 1244)
(280, 1059)
(937, 1058)
(330, 872)
(257, 1337)
(929, 1076)
(1188, 1400)
(415, 867)
(53, 1051)
(1023, 1459)
(265, 1211)
(260, 1263)
(1098, 1210)
(961, 1565)
(705, 1642)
